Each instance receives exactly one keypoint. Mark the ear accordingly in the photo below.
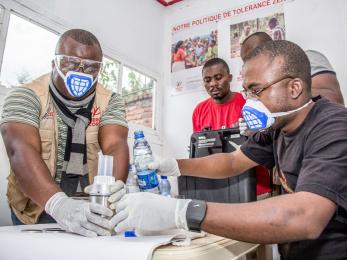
(296, 87)
(53, 65)
(230, 77)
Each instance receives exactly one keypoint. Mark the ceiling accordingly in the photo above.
(168, 2)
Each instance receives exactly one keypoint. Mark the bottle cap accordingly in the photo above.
(129, 233)
(138, 134)
(163, 177)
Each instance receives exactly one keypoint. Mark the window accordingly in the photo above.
(28, 54)
(109, 76)
(138, 92)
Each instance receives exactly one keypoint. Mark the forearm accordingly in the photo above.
(216, 166)
(273, 220)
(32, 174)
(120, 153)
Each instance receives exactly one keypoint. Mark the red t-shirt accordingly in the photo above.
(207, 113)
(180, 55)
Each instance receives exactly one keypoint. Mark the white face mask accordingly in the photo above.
(77, 83)
(258, 117)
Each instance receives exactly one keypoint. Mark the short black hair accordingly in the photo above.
(82, 36)
(263, 36)
(178, 45)
(295, 61)
(273, 21)
(215, 61)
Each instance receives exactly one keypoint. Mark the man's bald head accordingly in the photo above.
(81, 36)
(253, 41)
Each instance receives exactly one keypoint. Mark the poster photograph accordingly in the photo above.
(193, 52)
(190, 49)
(273, 25)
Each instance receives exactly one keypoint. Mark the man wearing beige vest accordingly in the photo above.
(53, 129)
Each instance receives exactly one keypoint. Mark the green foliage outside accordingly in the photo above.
(109, 74)
(134, 83)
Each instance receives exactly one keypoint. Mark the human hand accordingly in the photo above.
(79, 216)
(117, 192)
(166, 167)
(150, 212)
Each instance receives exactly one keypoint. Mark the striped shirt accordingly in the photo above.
(22, 105)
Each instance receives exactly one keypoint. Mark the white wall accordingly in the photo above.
(314, 24)
(129, 30)
(321, 25)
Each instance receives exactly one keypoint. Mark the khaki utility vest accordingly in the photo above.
(24, 208)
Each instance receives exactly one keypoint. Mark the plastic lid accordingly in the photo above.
(129, 233)
(105, 165)
(138, 134)
(163, 177)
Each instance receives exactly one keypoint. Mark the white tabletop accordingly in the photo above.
(36, 242)
(16, 244)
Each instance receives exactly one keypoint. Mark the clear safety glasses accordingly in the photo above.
(255, 92)
(71, 63)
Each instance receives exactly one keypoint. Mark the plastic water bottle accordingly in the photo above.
(164, 186)
(131, 184)
(147, 179)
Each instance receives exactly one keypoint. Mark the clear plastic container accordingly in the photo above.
(131, 183)
(100, 190)
(164, 186)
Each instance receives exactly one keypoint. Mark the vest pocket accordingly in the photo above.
(15, 196)
(46, 143)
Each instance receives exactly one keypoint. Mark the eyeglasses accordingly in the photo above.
(247, 93)
(71, 63)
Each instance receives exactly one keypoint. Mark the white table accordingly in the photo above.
(16, 244)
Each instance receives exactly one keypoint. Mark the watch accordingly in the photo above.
(196, 212)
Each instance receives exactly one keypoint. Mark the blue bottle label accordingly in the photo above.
(147, 179)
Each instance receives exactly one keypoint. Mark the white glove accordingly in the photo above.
(242, 126)
(117, 189)
(150, 212)
(166, 167)
(78, 216)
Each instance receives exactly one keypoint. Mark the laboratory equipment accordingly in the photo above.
(100, 190)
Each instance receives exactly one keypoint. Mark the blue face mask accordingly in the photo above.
(258, 117)
(77, 83)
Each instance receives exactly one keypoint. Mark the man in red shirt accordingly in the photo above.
(223, 108)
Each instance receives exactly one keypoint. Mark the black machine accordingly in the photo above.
(241, 188)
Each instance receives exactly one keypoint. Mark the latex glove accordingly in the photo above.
(166, 167)
(242, 126)
(79, 216)
(117, 189)
(150, 212)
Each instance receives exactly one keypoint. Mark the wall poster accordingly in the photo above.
(220, 35)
